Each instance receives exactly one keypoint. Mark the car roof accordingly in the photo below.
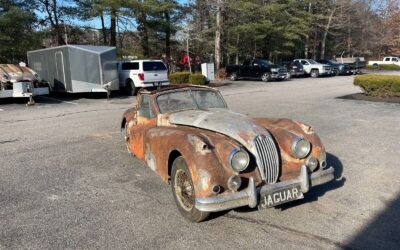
(173, 87)
(144, 60)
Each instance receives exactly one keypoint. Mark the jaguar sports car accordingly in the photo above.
(216, 159)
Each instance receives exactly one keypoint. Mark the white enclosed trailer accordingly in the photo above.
(77, 68)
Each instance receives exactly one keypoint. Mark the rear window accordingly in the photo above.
(130, 66)
(153, 66)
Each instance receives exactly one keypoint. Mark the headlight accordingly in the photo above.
(239, 160)
(301, 148)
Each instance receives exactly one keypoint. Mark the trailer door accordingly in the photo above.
(59, 82)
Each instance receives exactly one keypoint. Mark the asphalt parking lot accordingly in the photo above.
(66, 180)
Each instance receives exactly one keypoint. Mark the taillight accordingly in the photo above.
(294, 67)
(141, 76)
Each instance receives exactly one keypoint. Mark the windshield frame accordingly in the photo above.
(191, 95)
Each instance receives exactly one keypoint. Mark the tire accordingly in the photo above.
(130, 88)
(336, 72)
(314, 73)
(183, 191)
(233, 76)
(266, 77)
(376, 66)
(126, 137)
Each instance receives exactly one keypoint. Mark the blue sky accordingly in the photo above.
(94, 23)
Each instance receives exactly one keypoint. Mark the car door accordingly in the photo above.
(245, 69)
(145, 119)
(256, 69)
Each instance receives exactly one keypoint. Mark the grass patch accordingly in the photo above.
(383, 67)
(379, 85)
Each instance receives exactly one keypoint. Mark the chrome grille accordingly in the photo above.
(267, 158)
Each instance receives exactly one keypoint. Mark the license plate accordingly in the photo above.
(280, 197)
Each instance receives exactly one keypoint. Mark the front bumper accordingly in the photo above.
(251, 195)
(278, 75)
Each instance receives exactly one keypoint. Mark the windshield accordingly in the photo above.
(265, 62)
(312, 61)
(189, 99)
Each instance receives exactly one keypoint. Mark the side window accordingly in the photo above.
(304, 62)
(394, 59)
(246, 63)
(130, 66)
(145, 107)
(387, 59)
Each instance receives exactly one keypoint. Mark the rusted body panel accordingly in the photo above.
(206, 138)
(284, 131)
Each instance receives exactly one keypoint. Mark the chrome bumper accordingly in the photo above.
(250, 196)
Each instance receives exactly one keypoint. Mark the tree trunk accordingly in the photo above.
(306, 48)
(113, 27)
(103, 28)
(237, 49)
(326, 31)
(167, 35)
(218, 35)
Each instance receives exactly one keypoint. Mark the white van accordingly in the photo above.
(137, 74)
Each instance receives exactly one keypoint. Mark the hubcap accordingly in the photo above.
(184, 190)
(265, 77)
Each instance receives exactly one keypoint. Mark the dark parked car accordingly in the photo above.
(256, 69)
(293, 68)
(338, 68)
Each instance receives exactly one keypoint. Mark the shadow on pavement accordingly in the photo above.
(383, 232)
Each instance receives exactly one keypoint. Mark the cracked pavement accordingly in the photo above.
(66, 180)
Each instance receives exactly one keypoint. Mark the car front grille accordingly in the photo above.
(267, 158)
(282, 70)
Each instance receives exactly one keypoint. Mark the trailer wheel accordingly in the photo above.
(130, 88)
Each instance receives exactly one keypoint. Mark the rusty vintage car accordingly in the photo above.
(216, 159)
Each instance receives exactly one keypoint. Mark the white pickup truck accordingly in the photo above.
(315, 69)
(386, 60)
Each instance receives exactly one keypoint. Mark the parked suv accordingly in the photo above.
(293, 68)
(313, 68)
(137, 74)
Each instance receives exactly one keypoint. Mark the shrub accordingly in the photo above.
(221, 74)
(384, 67)
(179, 78)
(197, 79)
(379, 85)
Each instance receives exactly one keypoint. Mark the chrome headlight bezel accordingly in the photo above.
(232, 158)
(298, 152)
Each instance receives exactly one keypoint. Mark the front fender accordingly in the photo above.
(204, 152)
(284, 132)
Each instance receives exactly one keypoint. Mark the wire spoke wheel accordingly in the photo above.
(184, 190)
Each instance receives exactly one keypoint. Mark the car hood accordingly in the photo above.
(237, 126)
